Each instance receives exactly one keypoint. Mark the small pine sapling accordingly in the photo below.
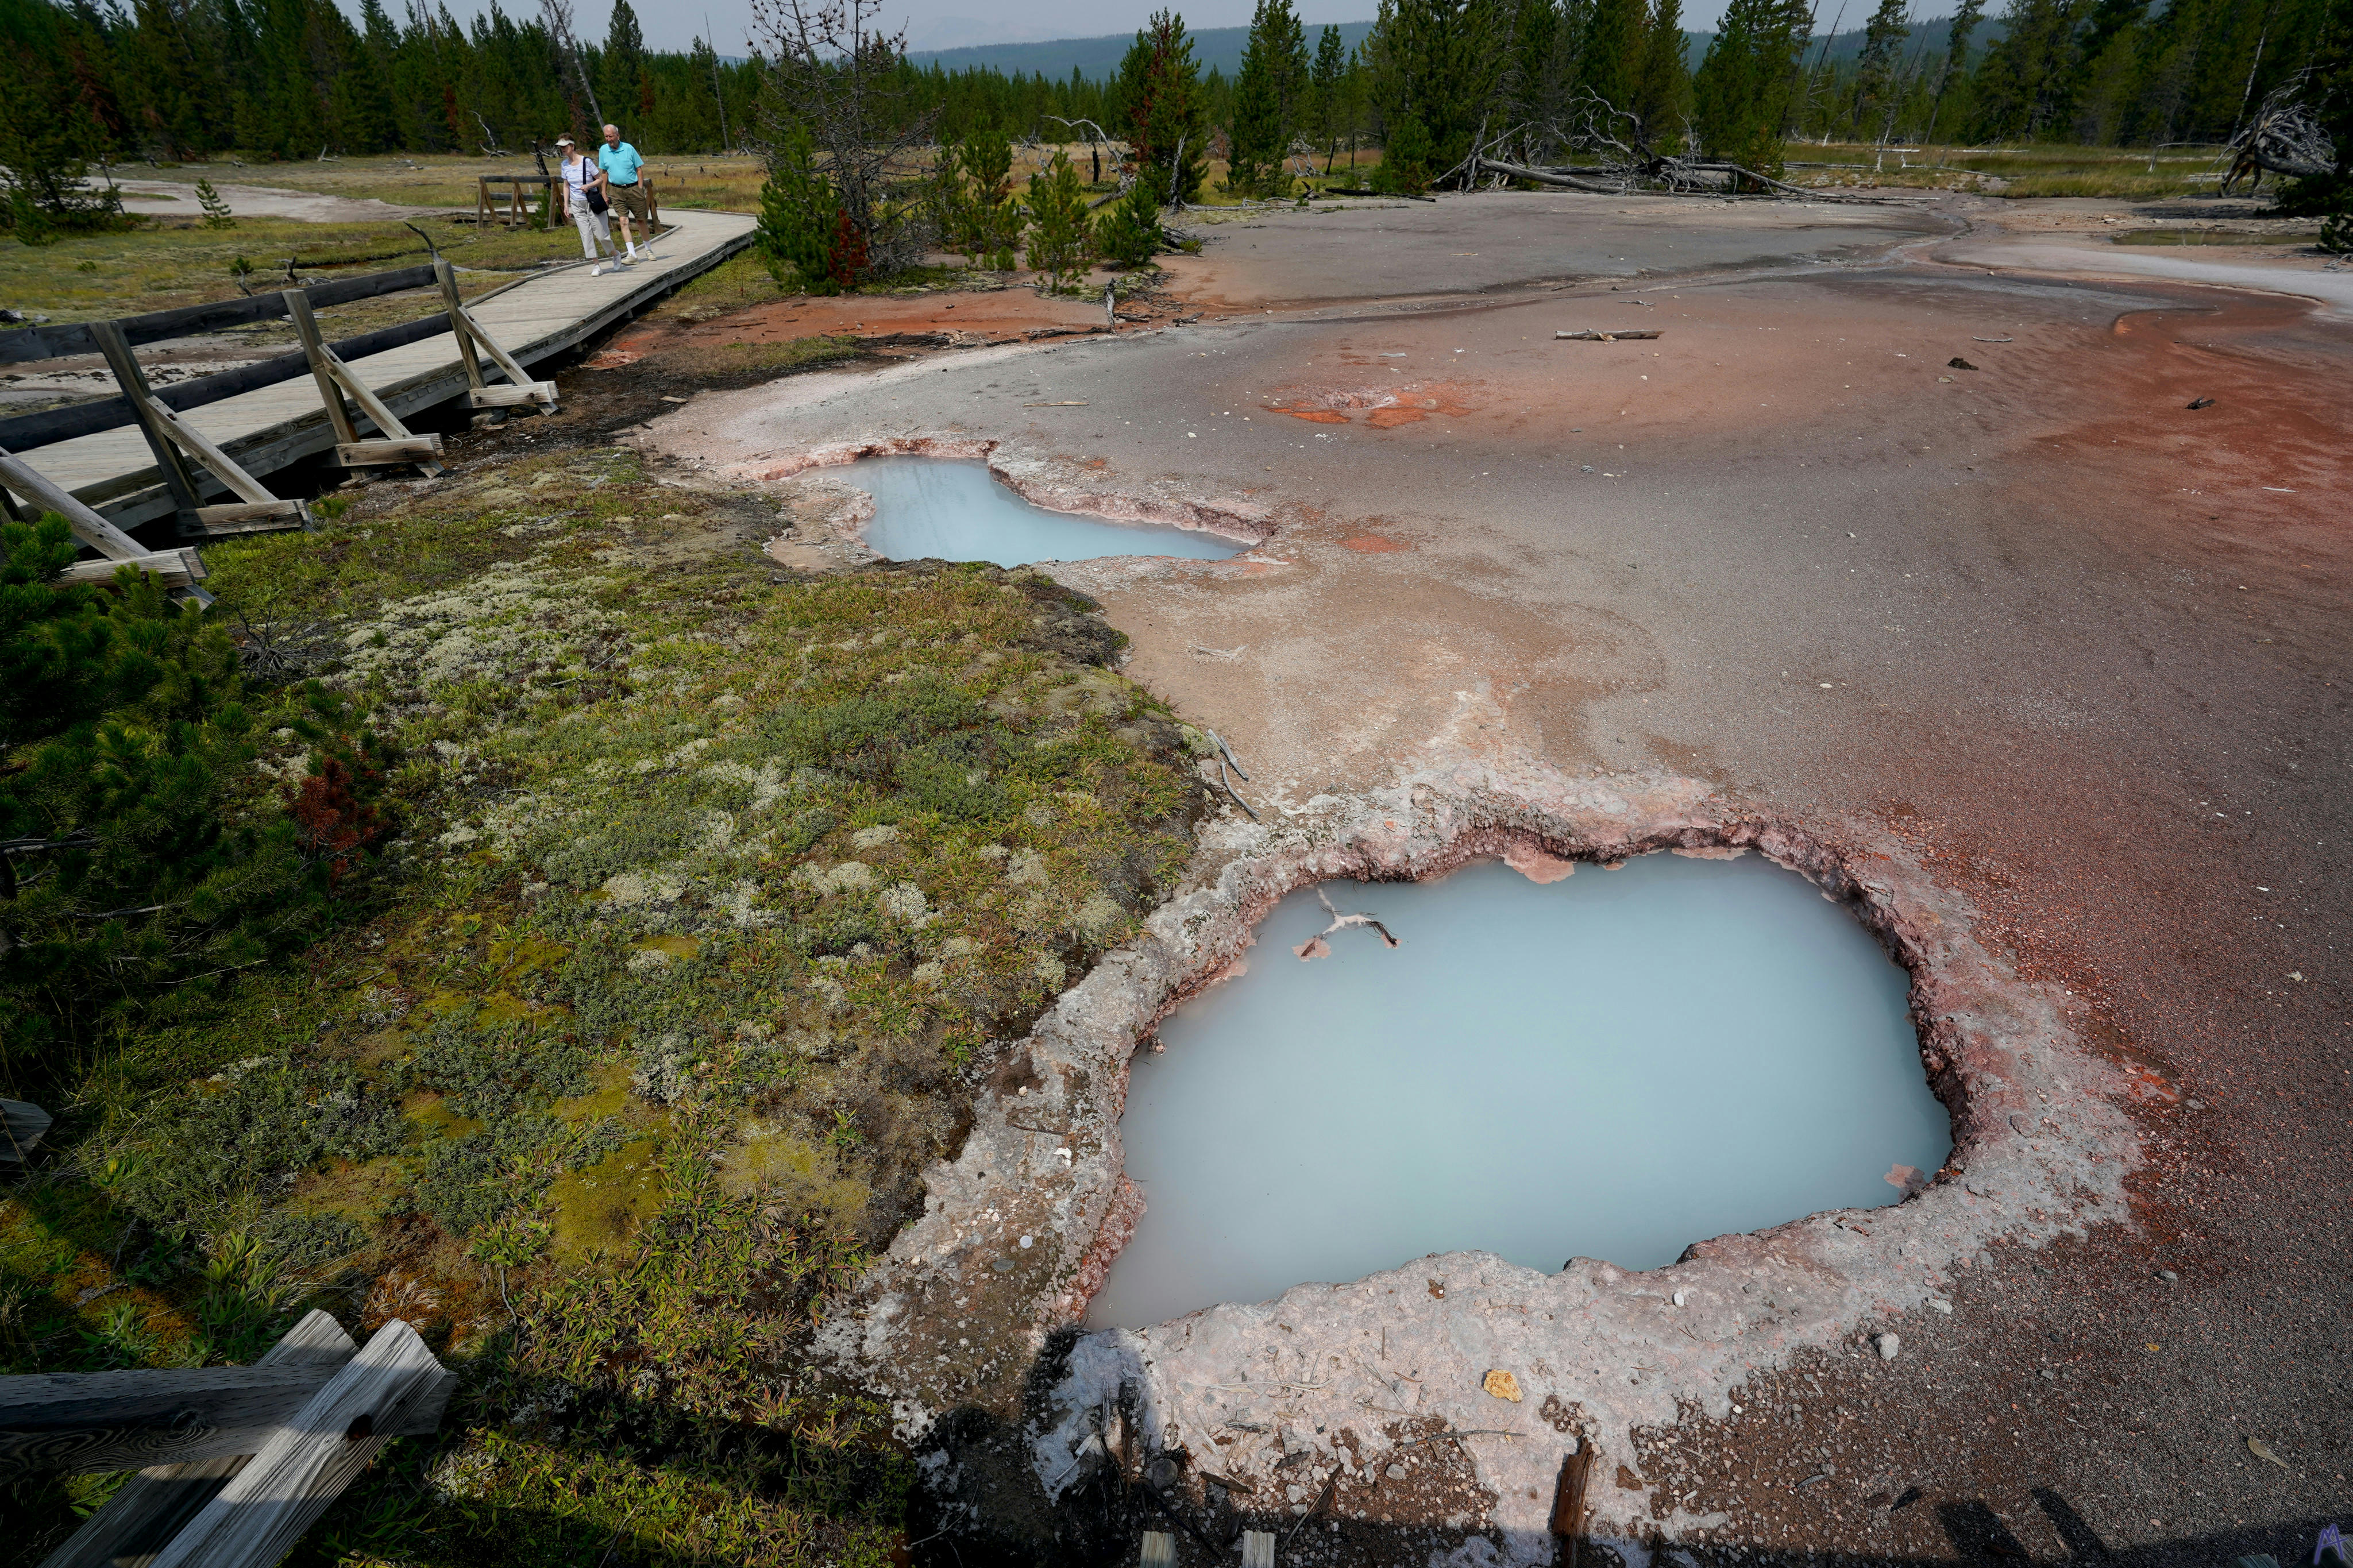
(1061, 239)
(1129, 232)
(799, 219)
(217, 212)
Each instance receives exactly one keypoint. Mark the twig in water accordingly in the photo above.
(1342, 922)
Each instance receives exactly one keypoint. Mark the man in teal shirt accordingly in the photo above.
(624, 190)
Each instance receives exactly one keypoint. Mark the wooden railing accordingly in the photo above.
(176, 444)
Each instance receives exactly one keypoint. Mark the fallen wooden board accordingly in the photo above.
(22, 1123)
(391, 449)
(390, 1388)
(514, 396)
(178, 568)
(253, 517)
(81, 1423)
(1594, 337)
(140, 1520)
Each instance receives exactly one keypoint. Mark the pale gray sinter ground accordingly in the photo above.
(1612, 1067)
(925, 508)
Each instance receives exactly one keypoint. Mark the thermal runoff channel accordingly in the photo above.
(1612, 1066)
(936, 509)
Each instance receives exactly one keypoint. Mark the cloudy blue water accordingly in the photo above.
(1613, 1065)
(935, 508)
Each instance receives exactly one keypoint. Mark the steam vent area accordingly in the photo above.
(1617, 861)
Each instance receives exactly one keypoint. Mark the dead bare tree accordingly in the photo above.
(2285, 137)
(557, 14)
(833, 72)
(1630, 162)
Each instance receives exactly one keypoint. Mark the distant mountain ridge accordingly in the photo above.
(1097, 58)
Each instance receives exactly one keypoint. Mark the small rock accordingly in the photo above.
(1888, 1343)
(1295, 1493)
(2167, 1274)
(1938, 1304)
(1395, 1472)
(2017, 1124)
(1679, 1297)
(1024, 1242)
(1503, 1385)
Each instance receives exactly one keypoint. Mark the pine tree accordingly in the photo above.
(1268, 99)
(1435, 67)
(1129, 232)
(147, 862)
(1876, 68)
(1745, 90)
(2020, 89)
(1061, 238)
(1956, 66)
(1327, 89)
(1534, 85)
(1610, 64)
(622, 64)
(1662, 92)
(799, 218)
(1161, 97)
(217, 212)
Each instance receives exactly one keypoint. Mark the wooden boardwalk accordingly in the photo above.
(275, 426)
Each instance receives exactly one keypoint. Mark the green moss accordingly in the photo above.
(600, 1207)
(716, 890)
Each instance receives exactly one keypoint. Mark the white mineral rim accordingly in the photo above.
(956, 1312)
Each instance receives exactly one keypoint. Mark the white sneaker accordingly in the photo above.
(596, 272)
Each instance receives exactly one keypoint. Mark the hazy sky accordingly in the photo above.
(952, 24)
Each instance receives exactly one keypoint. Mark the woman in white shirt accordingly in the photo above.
(584, 200)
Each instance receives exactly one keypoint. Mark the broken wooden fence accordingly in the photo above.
(189, 461)
(233, 1463)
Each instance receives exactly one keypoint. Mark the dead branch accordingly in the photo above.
(1316, 947)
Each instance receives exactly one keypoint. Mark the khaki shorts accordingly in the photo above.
(630, 199)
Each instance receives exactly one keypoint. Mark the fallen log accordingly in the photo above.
(1546, 177)
(1590, 336)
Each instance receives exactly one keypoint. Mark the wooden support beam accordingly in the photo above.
(178, 568)
(332, 374)
(110, 342)
(166, 431)
(392, 1387)
(1257, 1549)
(470, 337)
(140, 1520)
(306, 327)
(455, 309)
(46, 495)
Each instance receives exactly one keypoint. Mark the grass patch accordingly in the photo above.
(717, 891)
(2118, 173)
(2212, 236)
(163, 266)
